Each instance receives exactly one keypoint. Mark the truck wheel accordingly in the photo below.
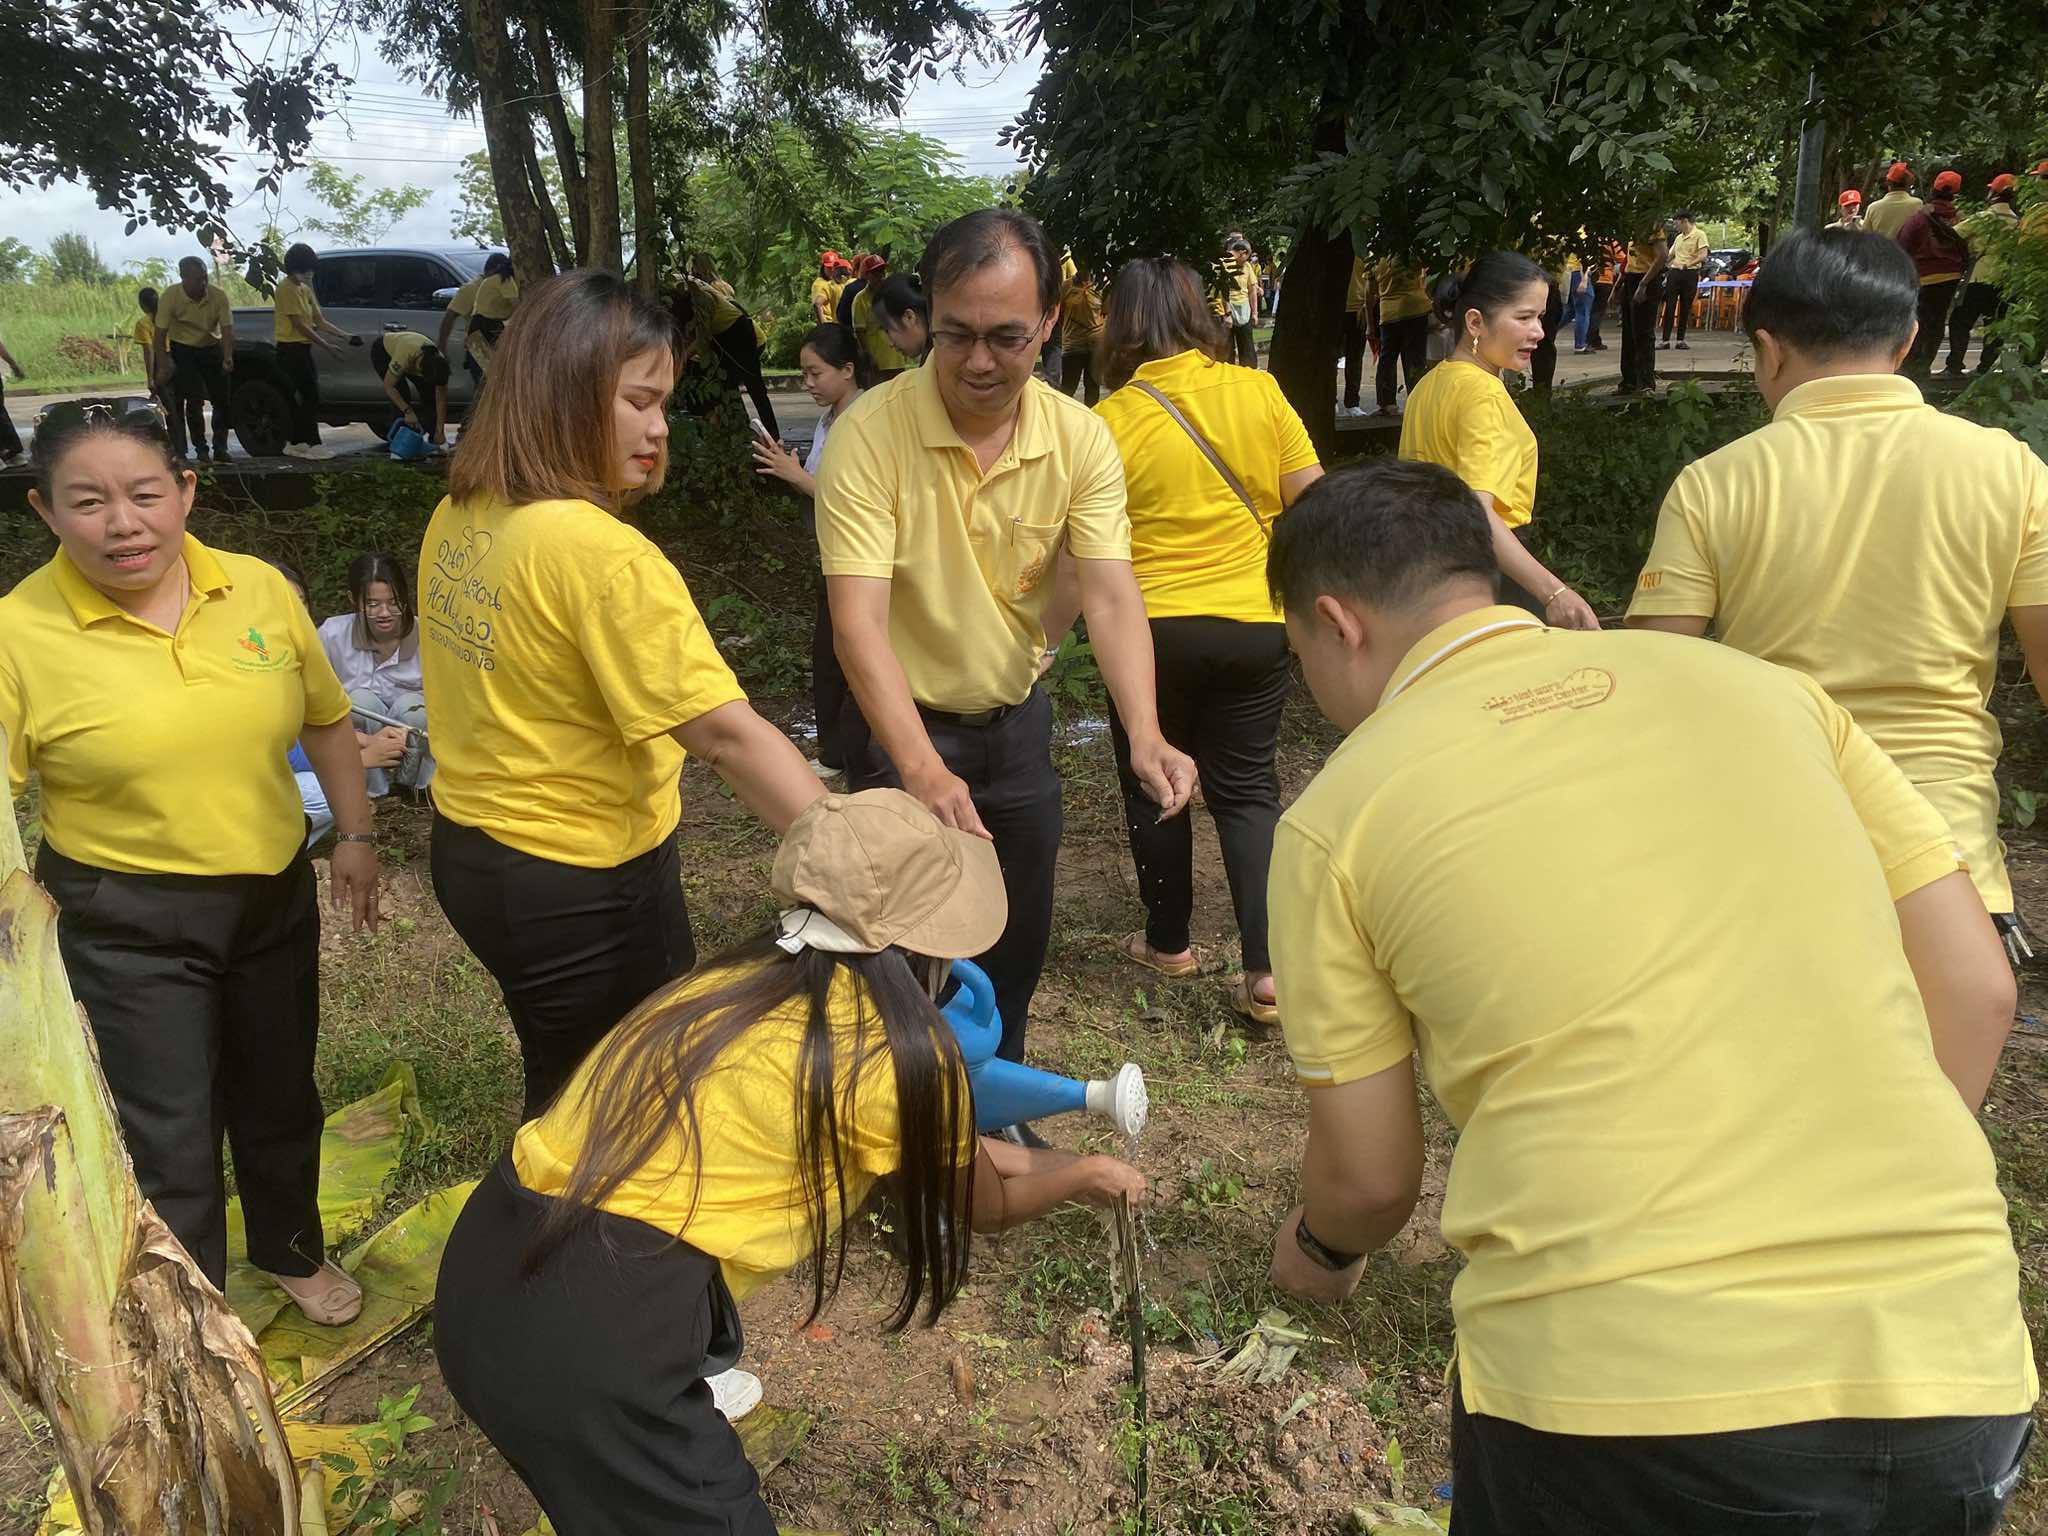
(262, 411)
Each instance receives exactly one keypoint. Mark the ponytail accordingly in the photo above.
(1489, 285)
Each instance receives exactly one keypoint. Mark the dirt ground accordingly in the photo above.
(1016, 1415)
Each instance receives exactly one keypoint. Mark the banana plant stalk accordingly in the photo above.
(154, 1391)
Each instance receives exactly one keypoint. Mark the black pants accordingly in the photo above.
(1601, 293)
(1980, 302)
(196, 374)
(589, 1376)
(739, 355)
(203, 992)
(1052, 358)
(1680, 286)
(573, 949)
(1354, 356)
(1007, 765)
(418, 398)
(295, 362)
(1638, 327)
(1221, 687)
(1077, 367)
(1244, 344)
(828, 684)
(1833, 1477)
(1403, 344)
(1935, 299)
(10, 440)
(1543, 361)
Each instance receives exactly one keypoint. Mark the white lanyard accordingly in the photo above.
(1458, 644)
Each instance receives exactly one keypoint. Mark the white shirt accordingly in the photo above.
(357, 665)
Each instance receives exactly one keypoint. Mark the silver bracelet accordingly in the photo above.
(355, 837)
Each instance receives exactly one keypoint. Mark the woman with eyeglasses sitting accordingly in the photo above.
(155, 686)
(375, 650)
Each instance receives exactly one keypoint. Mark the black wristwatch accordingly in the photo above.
(1330, 1258)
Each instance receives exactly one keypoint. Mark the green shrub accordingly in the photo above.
(786, 334)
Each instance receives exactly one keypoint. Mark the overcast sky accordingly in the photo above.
(391, 133)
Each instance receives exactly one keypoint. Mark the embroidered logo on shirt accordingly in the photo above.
(1580, 689)
(260, 657)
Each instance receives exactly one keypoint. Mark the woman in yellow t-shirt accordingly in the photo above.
(720, 1135)
(566, 673)
(1199, 553)
(1460, 416)
(155, 687)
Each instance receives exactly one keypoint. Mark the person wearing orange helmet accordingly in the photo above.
(1941, 256)
(1989, 234)
(1849, 210)
(1889, 213)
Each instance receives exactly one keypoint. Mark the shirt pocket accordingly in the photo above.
(1021, 558)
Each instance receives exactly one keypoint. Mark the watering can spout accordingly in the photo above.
(1006, 1093)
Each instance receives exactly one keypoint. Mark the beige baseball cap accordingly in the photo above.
(889, 874)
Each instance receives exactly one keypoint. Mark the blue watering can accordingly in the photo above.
(1008, 1094)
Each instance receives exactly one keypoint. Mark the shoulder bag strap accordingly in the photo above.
(1236, 485)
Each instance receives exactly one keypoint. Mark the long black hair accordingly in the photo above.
(640, 1087)
(378, 566)
(67, 425)
(1489, 285)
(838, 347)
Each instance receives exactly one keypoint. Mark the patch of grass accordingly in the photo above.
(60, 333)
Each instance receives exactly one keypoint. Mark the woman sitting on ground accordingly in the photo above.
(1199, 537)
(375, 650)
(835, 371)
(720, 1135)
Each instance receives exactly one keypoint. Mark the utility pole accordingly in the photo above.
(1806, 185)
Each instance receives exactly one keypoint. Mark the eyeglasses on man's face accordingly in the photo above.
(1004, 341)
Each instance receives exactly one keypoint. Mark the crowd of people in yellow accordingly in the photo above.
(1705, 949)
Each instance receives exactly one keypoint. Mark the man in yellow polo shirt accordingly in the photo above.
(1888, 215)
(946, 499)
(1642, 281)
(1682, 282)
(195, 344)
(1639, 904)
(1888, 586)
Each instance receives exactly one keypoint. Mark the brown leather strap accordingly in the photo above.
(1236, 485)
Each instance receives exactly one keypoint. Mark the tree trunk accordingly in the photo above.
(508, 137)
(600, 53)
(1310, 331)
(550, 216)
(574, 186)
(647, 262)
(154, 1391)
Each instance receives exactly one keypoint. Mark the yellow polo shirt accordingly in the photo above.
(738, 1196)
(1404, 294)
(1887, 588)
(713, 311)
(1460, 416)
(490, 297)
(1689, 250)
(1080, 319)
(164, 753)
(969, 556)
(1194, 547)
(190, 322)
(1642, 254)
(294, 311)
(1990, 233)
(403, 348)
(1888, 215)
(867, 325)
(1631, 897)
(560, 649)
(145, 334)
(1359, 289)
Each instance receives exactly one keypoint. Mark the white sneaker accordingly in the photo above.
(316, 451)
(825, 772)
(736, 1392)
(294, 451)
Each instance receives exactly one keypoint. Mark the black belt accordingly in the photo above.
(977, 717)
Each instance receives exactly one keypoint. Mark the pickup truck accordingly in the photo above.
(366, 293)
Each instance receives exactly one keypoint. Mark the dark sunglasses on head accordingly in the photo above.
(146, 416)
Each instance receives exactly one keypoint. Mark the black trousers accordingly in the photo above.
(1681, 284)
(739, 356)
(1832, 1477)
(829, 692)
(1543, 361)
(1601, 293)
(1077, 367)
(1980, 302)
(1007, 765)
(1935, 299)
(1354, 356)
(589, 1375)
(295, 362)
(1638, 343)
(573, 949)
(1052, 358)
(203, 992)
(1244, 344)
(1221, 687)
(1403, 344)
(10, 440)
(196, 374)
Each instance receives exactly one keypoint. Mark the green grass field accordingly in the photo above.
(46, 328)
